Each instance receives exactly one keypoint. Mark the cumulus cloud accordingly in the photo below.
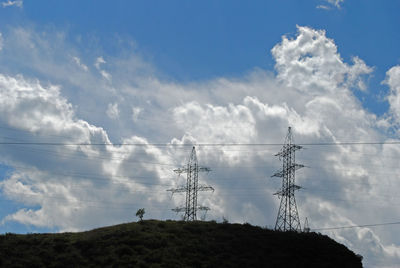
(313, 94)
(9, 3)
(220, 122)
(44, 178)
(76, 187)
(393, 81)
(311, 62)
(40, 112)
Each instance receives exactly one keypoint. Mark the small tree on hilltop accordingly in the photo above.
(140, 213)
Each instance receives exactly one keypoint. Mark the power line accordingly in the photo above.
(145, 179)
(204, 145)
(356, 226)
(200, 144)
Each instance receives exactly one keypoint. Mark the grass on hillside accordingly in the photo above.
(154, 243)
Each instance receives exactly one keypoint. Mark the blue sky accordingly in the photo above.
(195, 41)
(179, 72)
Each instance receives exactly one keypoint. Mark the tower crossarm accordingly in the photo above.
(288, 190)
(178, 190)
(282, 173)
(205, 188)
(185, 170)
(183, 189)
(179, 209)
(203, 208)
(204, 169)
(180, 170)
(288, 149)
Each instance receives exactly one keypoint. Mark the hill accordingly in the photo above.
(154, 243)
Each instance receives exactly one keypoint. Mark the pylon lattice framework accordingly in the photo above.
(192, 188)
(288, 216)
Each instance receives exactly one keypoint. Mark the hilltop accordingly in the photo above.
(153, 243)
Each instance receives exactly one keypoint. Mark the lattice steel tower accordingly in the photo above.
(192, 187)
(288, 217)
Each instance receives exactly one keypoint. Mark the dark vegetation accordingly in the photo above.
(152, 243)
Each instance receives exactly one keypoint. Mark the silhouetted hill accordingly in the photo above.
(154, 243)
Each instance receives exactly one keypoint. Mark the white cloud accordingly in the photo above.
(217, 123)
(393, 81)
(313, 96)
(323, 7)
(9, 3)
(100, 61)
(355, 72)
(105, 75)
(135, 113)
(40, 112)
(336, 3)
(310, 62)
(331, 3)
(78, 187)
(80, 64)
(112, 110)
(73, 186)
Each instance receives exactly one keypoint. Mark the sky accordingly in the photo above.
(153, 78)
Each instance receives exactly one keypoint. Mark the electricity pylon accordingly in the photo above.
(288, 217)
(192, 187)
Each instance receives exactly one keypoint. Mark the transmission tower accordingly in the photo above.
(192, 187)
(288, 217)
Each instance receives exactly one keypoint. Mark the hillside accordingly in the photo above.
(154, 243)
